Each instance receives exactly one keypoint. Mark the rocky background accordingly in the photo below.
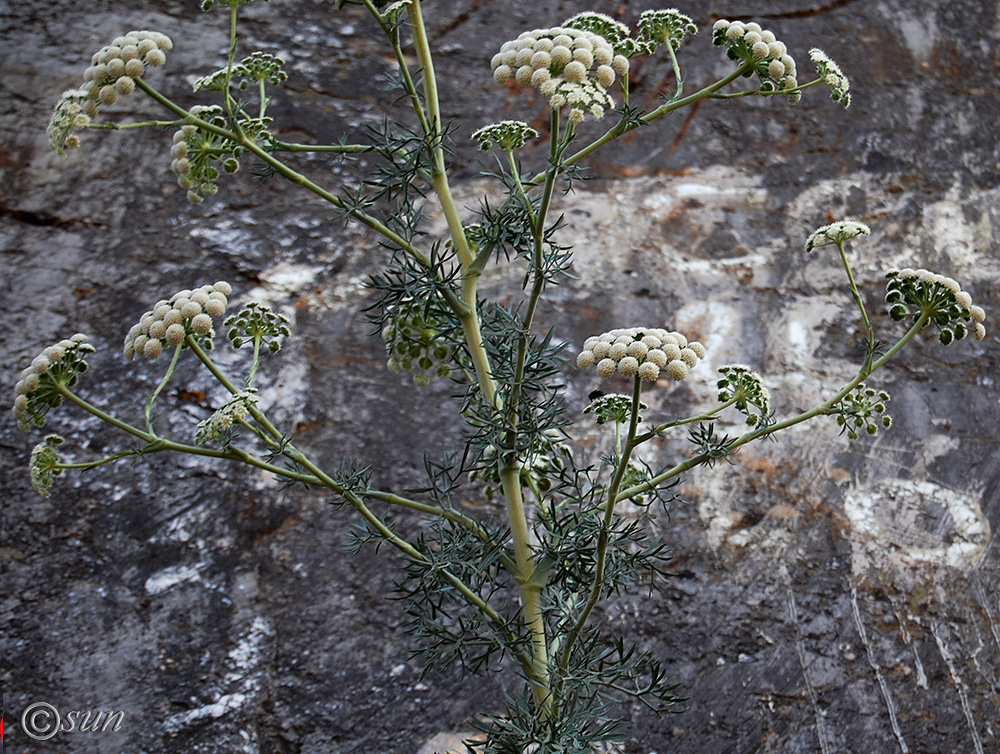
(830, 597)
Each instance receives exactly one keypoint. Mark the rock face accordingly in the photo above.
(830, 596)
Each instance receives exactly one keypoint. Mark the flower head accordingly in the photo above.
(507, 134)
(665, 27)
(207, 4)
(615, 407)
(863, 409)
(113, 72)
(617, 34)
(640, 351)
(40, 387)
(67, 116)
(171, 321)
(832, 76)
(746, 388)
(219, 425)
(572, 67)
(767, 57)
(912, 293)
(258, 321)
(44, 464)
(256, 68)
(417, 341)
(836, 233)
(197, 152)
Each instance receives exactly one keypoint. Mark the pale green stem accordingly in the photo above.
(707, 416)
(530, 588)
(285, 146)
(677, 70)
(264, 100)
(538, 259)
(435, 135)
(88, 465)
(623, 127)
(522, 192)
(390, 536)
(292, 175)
(446, 513)
(392, 33)
(140, 124)
(758, 93)
(510, 476)
(823, 408)
(159, 388)
(256, 361)
(602, 538)
(866, 367)
(229, 65)
(156, 444)
(292, 452)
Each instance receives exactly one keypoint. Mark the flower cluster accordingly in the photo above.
(257, 321)
(909, 293)
(616, 407)
(572, 67)
(665, 26)
(640, 351)
(743, 385)
(833, 77)
(169, 322)
(258, 67)
(656, 27)
(207, 4)
(413, 339)
(218, 426)
(836, 233)
(44, 464)
(196, 151)
(507, 134)
(863, 408)
(615, 33)
(392, 14)
(112, 73)
(760, 49)
(38, 389)
(69, 114)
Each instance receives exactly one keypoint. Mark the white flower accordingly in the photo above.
(832, 76)
(836, 233)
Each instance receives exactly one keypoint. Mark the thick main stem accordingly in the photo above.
(530, 587)
(469, 318)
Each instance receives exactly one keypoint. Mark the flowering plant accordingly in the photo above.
(521, 585)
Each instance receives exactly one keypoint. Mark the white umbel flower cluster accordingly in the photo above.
(572, 67)
(507, 134)
(836, 233)
(833, 77)
(769, 57)
(745, 387)
(909, 293)
(197, 154)
(37, 390)
(233, 411)
(642, 351)
(169, 322)
(112, 73)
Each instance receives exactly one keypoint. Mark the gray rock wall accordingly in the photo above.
(830, 596)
